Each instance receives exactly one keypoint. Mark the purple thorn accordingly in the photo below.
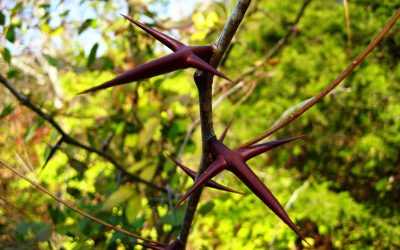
(215, 168)
(235, 161)
(168, 41)
(198, 63)
(222, 137)
(210, 183)
(157, 67)
(182, 58)
(252, 151)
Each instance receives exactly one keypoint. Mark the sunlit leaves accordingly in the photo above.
(2, 18)
(86, 24)
(122, 194)
(8, 109)
(92, 55)
(10, 35)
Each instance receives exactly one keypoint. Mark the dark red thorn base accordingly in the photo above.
(182, 58)
(235, 161)
(210, 183)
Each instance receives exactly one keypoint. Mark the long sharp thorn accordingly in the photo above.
(157, 67)
(199, 63)
(250, 179)
(53, 151)
(210, 172)
(252, 151)
(168, 41)
(222, 137)
(210, 183)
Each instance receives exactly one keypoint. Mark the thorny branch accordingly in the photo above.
(239, 80)
(333, 84)
(204, 85)
(24, 100)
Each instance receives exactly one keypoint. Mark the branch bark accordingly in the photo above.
(204, 82)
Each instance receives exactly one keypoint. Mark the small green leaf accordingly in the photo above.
(121, 195)
(7, 55)
(13, 73)
(146, 134)
(79, 166)
(132, 209)
(206, 208)
(10, 36)
(92, 55)
(85, 25)
(6, 111)
(2, 18)
(51, 60)
(17, 7)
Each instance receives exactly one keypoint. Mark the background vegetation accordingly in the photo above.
(340, 184)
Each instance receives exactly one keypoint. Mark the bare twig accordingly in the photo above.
(43, 190)
(204, 85)
(67, 138)
(333, 84)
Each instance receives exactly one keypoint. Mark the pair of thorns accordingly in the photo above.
(225, 159)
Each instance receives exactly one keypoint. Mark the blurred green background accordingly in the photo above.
(341, 184)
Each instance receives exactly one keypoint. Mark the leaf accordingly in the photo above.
(6, 111)
(7, 55)
(132, 209)
(92, 55)
(206, 208)
(51, 60)
(10, 36)
(85, 25)
(13, 73)
(147, 132)
(121, 195)
(2, 18)
(79, 166)
(16, 8)
(141, 165)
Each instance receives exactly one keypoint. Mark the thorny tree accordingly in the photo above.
(216, 156)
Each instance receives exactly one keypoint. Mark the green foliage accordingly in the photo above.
(345, 171)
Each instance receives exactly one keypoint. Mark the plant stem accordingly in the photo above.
(204, 82)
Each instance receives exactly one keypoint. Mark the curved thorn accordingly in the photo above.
(222, 137)
(168, 41)
(250, 179)
(156, 67)
(198, 63)
(210, 183)
(215, 168)
(252, 151)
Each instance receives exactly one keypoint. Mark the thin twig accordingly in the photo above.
(67, 138)
(43, 190)
(332, 85)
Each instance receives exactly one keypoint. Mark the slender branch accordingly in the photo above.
(203, 82)
(332, 85)
(67, 138)
(43, 190)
